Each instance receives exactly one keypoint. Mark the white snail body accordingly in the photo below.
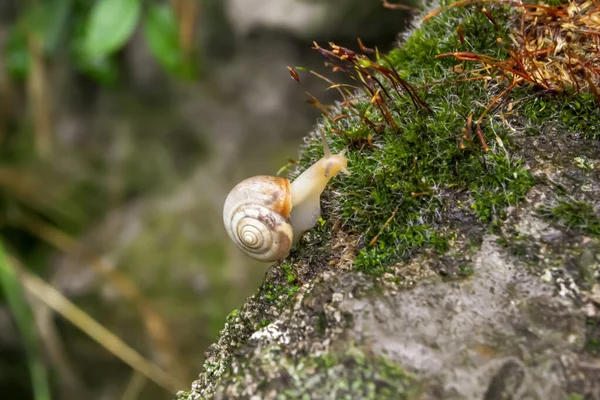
(265, 215)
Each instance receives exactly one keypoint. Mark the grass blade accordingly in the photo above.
(9, 282)
(75, 315)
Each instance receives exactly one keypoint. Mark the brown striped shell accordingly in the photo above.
(256, 215)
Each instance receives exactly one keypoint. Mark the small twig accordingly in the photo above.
(392, 6)
(480, 135)
(495, 100)
(372, 242)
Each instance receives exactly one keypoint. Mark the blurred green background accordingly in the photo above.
(123, 125)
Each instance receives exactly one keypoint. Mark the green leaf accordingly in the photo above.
(162, 35)
(16, 54)
(10, 285)
(111, 24)
(103, 69)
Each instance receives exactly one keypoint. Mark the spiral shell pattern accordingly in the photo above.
(256, 217)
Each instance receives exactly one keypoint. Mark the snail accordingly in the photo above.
(265, 215)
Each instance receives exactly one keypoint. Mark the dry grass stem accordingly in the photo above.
(387, 222)
(135, 386)
(556, 48)
(155, 324)
(60, 304)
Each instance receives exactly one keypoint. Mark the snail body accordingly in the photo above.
(265, 215)
(307, 188)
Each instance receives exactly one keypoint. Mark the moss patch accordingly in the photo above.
(578, 215)
(578, 114)
(592, 344)
(417, 170)
(348, 374)
(280, 294)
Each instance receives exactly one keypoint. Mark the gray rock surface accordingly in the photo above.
(314, 19)
(508, 314)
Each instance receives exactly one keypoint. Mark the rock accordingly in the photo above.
(504, 332)
(313, 20)
(298, 17)
(501, 334)
(505, 309)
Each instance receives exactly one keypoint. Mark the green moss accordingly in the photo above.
(290, 277)
(232, 315)
(578, 114)
(577, 215)
(181, 395)
(422, 156)
(263, 323)
(584, 164)
(592, 344)
(344, 374)
(367, 378)
(280, 294)
(465, 270)
(279, 290)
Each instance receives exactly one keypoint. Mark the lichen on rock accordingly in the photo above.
(485, 284)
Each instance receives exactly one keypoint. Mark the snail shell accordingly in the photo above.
(257, 217)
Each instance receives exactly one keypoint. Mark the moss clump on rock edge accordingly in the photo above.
(578, 215)
(349, 374)
(471, 192)
(422, 156)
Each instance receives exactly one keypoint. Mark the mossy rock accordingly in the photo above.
(437, 271)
